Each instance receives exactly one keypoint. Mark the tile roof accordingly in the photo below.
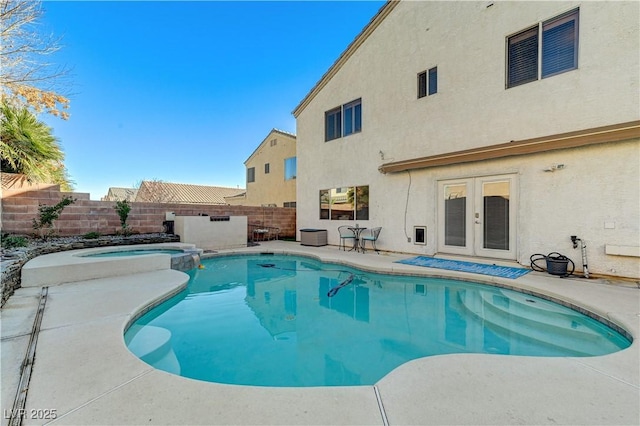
(120, 194)
(166, 192)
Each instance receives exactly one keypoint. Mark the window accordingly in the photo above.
(560, 44)
(251, 174)
(428, 82)
(273, 142)
(290, 168)
(343, 120)
(266, 168)
(333, 124)
(347, 203)
(422, 84)
(433, 81)
(289, 204)
(558, 49)
(352, 117)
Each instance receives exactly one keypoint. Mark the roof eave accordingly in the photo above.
(344, 57)
(598, 135)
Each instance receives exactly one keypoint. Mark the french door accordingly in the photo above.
(476, 216)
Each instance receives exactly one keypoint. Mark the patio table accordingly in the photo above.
(356, 241)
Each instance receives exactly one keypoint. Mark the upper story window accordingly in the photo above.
(428, 82)
(266, 168)
(530, 57)
(343, 120)
(352, 117)
(290, 168)
(251, 174)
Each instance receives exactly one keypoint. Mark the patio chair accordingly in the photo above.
(346, 234)
(370, 235)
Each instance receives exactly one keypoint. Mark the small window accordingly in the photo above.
(273, 142)
(266, 168)
(428, 82)
(289, 204)
(251, 174)
(290, 168)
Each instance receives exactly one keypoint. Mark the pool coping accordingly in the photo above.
(84, 371)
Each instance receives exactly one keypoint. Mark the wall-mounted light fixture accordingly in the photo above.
(554, 167)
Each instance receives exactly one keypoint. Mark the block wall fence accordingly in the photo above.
(19, 208)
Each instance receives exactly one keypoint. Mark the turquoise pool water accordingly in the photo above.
(291, 321)
(135, 252)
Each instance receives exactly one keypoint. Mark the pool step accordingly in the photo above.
(533, 320)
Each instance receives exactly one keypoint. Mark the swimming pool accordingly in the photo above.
(293, 321)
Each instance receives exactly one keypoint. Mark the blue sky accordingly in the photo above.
(185, 91)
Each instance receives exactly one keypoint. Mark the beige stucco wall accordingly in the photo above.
(466, 41)
(271, 188)
(212, 235)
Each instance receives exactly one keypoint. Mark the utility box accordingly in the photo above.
(313, 237)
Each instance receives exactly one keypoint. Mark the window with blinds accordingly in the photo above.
(428, 85)
(531, 57)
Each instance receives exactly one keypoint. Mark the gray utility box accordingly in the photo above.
(313, 237)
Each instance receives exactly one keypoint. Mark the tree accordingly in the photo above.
(28, 147)
(25, 77)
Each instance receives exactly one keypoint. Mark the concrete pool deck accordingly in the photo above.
(85, 373)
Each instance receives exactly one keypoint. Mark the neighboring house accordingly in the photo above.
(166, 192)
(120, 194)
(482, 129)
(271, 173)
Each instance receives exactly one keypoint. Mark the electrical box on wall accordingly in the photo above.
(420, 235)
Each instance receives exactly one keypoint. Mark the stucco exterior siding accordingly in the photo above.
(270, 188)
(466, 41)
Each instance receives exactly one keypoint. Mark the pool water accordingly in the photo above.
(292, 321)
(123, 253)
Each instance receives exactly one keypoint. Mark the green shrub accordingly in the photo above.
(47, 214)
(91, 235)
(13, 241)
(123, 208)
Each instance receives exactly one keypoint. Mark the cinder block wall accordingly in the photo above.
(19, 209)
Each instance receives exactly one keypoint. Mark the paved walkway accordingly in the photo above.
(84, 373)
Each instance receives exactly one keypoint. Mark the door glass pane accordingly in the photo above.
(496, 215)
(455, 213)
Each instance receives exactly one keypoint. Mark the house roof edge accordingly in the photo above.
(346, 54)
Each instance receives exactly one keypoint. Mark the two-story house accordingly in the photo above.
(482, 129)
(271, 173)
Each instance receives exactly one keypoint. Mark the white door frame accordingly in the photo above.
(471, 240)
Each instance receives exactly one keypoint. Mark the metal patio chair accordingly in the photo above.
(346, 234)
(370, 235)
